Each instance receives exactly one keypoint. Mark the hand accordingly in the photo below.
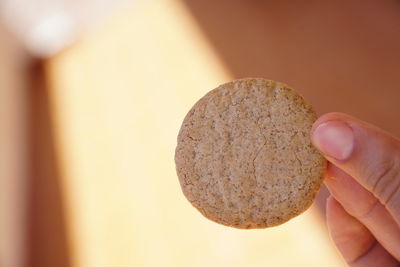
(363, 176)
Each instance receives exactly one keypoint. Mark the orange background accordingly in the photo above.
(102, 117)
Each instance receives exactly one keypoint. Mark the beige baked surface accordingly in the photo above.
(244, 156)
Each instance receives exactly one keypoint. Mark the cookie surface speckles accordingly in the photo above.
(244, 156)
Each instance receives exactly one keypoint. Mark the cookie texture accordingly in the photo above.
(244, 156)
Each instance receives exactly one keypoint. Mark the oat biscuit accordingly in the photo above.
(244, 156)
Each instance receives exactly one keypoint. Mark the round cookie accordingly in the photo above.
(244, 156)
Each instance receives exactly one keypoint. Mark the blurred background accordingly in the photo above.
(92, 95)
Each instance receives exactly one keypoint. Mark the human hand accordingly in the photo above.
(363, 176)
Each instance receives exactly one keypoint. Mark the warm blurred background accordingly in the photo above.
(92, 94)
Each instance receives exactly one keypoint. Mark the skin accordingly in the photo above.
(363, 176)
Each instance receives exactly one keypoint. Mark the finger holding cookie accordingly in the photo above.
(365, 162)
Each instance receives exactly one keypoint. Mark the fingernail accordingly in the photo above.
(335, 139)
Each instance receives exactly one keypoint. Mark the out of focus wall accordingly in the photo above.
(14, 166)
(31, 211)
(117, 100)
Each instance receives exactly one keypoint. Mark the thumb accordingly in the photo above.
(368, 154)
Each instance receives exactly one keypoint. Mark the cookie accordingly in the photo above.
(244, 156)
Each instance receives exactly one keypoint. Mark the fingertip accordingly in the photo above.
(329, 204)
(332, 206)
(334, 211)
(333, 137)
(332, 116)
